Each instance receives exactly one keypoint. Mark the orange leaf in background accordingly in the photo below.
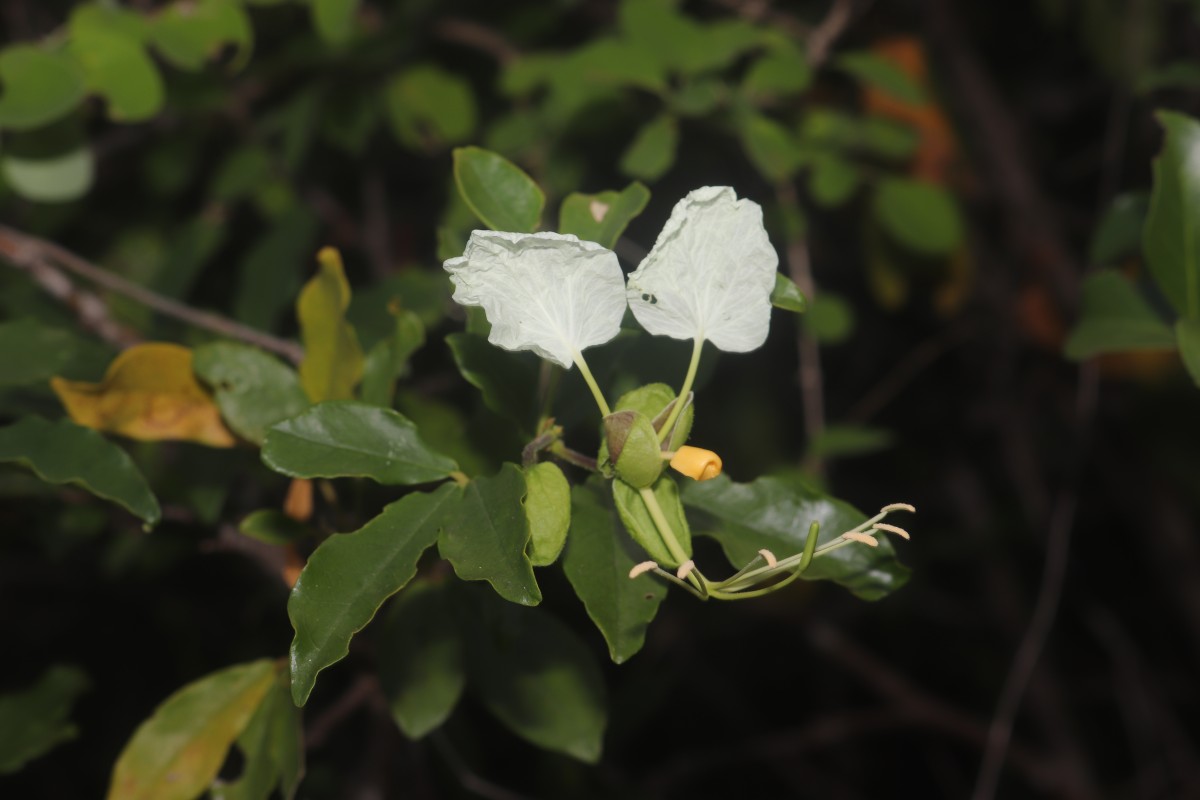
(299, 501)
(937, 148)
(148, 393)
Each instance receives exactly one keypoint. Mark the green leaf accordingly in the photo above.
(830, 319)
(1176, 75)
(840, 441)
(63, 452)
(333, 359)
(887, 138)
(273, 527)
(36, 720)
(769, 146)
(508, 381)
(1187, 334)
(117, 68)
(833, 180)
(548, 511)
(31, 352)
(349, 439)
(787, 295)
(637, 520)
(388, 359)
(349, 576)
(501, 195)
(334, 19)
(1119, 233)
(602, 217)
(429, 107)
(421, 658)
(538, 678)
(272, 747)
(921, 216)
(775, 514)
(57, 179)
(697, 98)
(652, 151)
(270, 274)
(880, 74)
(485, 539)
(39, 86)
(175, 754)
(1114, 318)
(253, 389)
(597, 563)
(780, 73)
(1171, 237)
(189, 34)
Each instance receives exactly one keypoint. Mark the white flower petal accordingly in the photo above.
(710, 274)
(546, 292)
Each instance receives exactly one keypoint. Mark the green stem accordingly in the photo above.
(591, 382)
(665, 431)
(668, 537)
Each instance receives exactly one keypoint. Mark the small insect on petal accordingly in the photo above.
(685, 569)
(897, 507)
(883, 526)
(769, 557)
(864, 538)
(643, 568)
(696, 462)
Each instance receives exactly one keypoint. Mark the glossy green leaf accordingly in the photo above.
(887, 138)
(334, 19)
(833, 180)
(388, 359)
(652, 151)
(501, 195)
(349, 576)
(421, 657)
(38, 86)
(1119, 232)
(37, 719)
(698, 98)
(1187, 335)
(349, 439)
(538, 678)
(769, 146)
(787, 295)
(32, 352)
(189, 34)
(117, 67)
(99, 18)
(921, 216)
(63, 452)
(841, 441)
(880, 74)
(1114, 318)
(56, 179)
(485, 540)
(780, 73)
(602, 217)
(637, 520)
(175, 754)
(253, 389)
(333, 358)
(273, 527)
(548, 511)
(830, 319)
(775, 514)
(272, 747)
(429, 107)
(1171, 237)
(508, 381)
(681, 44)
(597, 563)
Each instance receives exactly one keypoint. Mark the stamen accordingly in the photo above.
(685, 569)
(883, 526)
(769, 557)
(864, 538)
(643, 568)
(898, 507)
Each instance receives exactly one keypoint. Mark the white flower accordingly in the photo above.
(710, 274)
(546, 292)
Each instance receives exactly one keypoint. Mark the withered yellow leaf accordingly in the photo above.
(148, 393)
(333, 359)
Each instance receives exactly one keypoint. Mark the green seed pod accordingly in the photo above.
(633, 448)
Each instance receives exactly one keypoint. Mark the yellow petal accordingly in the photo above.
(148, 393)
(696, 462)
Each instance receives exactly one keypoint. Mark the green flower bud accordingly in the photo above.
(633, 448)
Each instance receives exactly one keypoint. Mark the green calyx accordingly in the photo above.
(633, 448)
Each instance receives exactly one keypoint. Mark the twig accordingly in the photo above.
(467, 778)
(820, 41)
(363, 691)
(375, 228)
(907, 369)
(474, 35)
(31, 253)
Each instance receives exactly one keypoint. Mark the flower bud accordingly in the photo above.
(633, 448)
(697, 463)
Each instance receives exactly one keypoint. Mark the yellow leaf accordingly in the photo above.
(148, 393)
(333, 359)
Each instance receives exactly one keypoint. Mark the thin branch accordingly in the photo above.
(467, 777)
(476, 36)
(365, 690)
(820, 42)
(32, 254)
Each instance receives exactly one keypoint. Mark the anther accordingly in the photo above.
(897, 507)
(643, 568)
(769, 557)
(864, 538)
(883, 526)
(685, 569)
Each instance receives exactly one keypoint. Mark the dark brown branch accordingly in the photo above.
(476, 36)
